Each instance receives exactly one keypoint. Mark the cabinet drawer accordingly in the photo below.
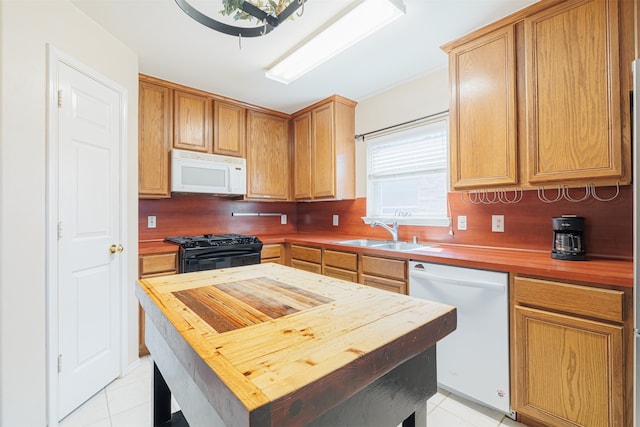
(385, 267)
(397, 286)
(158, 263)
(338, 273)
(271, 251)
(599, 303)
(343, 260)
(306, 253)
(306, 266)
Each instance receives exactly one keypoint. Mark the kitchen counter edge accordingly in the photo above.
(524, 262)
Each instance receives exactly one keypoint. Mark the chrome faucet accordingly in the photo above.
(393, 229)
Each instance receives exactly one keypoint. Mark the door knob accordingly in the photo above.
(115, 248)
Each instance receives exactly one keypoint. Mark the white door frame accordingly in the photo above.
(54, 57)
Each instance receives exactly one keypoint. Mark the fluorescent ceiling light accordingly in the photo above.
(365, 18)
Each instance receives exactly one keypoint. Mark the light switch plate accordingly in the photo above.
(151, 221)
(497, 223)
(283, 219)
(335, 220)
(462, 222)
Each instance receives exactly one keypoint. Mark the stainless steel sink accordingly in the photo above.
(363, 242)
(403, 246)
(385, 244)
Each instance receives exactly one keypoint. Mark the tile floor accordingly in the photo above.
(126, 403)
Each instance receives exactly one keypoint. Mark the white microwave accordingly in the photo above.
(193, 172)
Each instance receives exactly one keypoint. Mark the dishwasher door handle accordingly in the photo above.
(456, 282)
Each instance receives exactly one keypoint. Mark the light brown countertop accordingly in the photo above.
(526, 262)
(534, 263)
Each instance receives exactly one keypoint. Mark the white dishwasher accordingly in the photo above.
(472, 361)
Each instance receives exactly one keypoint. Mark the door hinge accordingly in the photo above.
(59, 230)
(60, 98)
(59, 363)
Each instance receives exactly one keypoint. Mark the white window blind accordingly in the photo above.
(407, 174)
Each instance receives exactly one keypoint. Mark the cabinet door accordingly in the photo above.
(267, 156)
(302, 185)
(569, 371)
(158, 264)
(338, 273)
(573, 92)
(154, 140)
(397, 286)
(306, 253)
(306, 266)
(483, 111)
(192, 122)
(228, 129)
(271, 253)
(339, 259)
(385, 267)
(153, 266)
(323, 166)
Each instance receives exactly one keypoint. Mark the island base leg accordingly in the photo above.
(162, 416)
(418, 418)
(161, 399)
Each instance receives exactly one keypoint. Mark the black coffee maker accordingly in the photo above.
(568, 241)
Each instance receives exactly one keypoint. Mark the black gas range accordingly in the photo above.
(213, 251)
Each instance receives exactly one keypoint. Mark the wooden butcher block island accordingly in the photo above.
(269, 345)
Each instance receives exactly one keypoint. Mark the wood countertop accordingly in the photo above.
(149, 248)
(527, 262)
(281, 342)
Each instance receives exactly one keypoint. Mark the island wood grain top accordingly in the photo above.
(286, 343)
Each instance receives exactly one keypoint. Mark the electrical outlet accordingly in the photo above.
(462, 222)
(335, 220)
(283, 219)
(497, 223)
(151, 221)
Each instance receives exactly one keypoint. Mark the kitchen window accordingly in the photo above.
(408, 175)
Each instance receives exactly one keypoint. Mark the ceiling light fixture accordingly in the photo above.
(365, 18)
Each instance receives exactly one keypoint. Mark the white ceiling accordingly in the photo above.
(172, 46)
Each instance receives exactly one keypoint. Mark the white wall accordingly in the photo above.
(26, 26)
(421, 97)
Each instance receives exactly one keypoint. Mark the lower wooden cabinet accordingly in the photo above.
(272, 253)
(569, 359)
(153, 265)
(384, 273)
(397, 286)
(306, 266)
(306, 258)
(388, 274)
(340, 265)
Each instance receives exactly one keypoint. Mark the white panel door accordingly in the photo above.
(88, 214)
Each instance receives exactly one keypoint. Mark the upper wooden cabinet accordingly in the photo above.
(154, 140)
(302, 157)
(267, 156)
(228, 129)
(483, 111)
(172, 115)
(542, 97)
(192, 122)
(324, 150)
(573, 92)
